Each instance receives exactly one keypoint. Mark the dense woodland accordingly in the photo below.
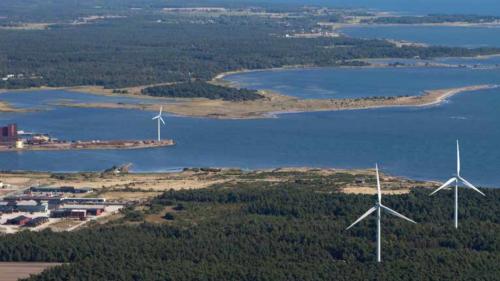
(150, 48)
(277, 231)
(201, 89)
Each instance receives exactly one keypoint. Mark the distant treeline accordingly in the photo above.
(201, 89)
(265, 230)
(156, 48)
(433, 18)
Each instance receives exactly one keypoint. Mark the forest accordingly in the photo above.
(151, 48)
(199, 89)
(292, 230)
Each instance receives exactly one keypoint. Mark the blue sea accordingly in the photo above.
(413, 142)
(467, 37)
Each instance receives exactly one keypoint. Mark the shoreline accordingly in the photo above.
(275, 104)
(270, 106)
(89, 145)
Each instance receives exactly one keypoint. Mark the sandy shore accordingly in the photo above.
(274, 103)
(6, 107)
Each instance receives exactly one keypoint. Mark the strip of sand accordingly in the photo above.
(6, 107)
(274, 103)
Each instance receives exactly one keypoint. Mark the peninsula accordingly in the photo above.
(274, 103)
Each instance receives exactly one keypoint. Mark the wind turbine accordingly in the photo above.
(379, 207)
(160, 119)
(456, 179)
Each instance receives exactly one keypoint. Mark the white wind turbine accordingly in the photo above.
(160, 119)
(379, 207)
(456, 179)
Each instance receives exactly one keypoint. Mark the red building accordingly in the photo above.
(8, 134)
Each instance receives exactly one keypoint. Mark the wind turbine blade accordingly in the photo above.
(372, 209)
(446, 184)
(156, 117)
(468, 184)
(161, 119)
(458, 159)
(379, 193)
(394, 213)
(161, 108)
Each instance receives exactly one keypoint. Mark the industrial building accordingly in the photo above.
(19, 220)
(23, 206)
(78, 211)
(84, 200)
(61, 189)
(8, 134)
(37, 221)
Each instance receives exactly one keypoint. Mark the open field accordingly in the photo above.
(12, 271)
(139, 186)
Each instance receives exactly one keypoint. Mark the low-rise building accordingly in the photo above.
(84, 200)
(32, 206)
(93, 210)
(19, 220)
(61, 189)
(37, 221)
(29, 206)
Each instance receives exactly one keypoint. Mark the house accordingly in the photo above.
(19, 220)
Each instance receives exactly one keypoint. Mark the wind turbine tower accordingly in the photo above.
(160, 120)
(379, 207)
(457, 178)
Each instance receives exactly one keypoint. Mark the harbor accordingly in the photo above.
(13, 140)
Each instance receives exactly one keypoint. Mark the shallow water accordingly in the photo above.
(468, 37)
(413, 142)
(364, 82)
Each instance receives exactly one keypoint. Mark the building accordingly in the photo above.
(20, 220)
(29, 206)
(32, 206)
(37, 221)
(92, 210)
(78, 214)
(84, 200)
(62, 189)
(7, 207)
(53, 201)
(78, 211)
(8, 134)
